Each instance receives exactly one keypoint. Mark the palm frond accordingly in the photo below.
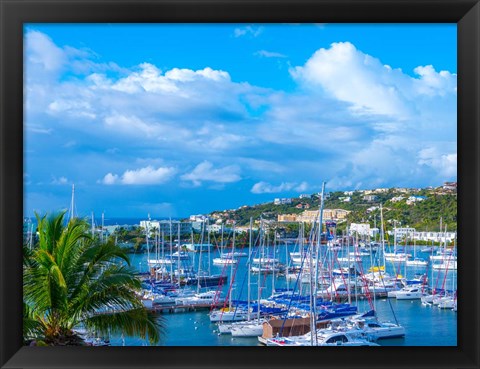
(136, 322)
(71, 278)
(32, 325)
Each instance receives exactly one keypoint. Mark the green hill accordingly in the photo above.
(423, 213)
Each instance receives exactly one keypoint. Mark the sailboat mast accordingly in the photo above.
(178, 251)
(382, 235)
(260, 255)
(395, 237)
(200, 256)
(274, 264)
(72, 204)
(162, 242)
(249, 268)
(231, 269)
(171, 252)
(103, 224)
(208, 246)
(221, 244)
(320, 220)
(93, 226)
(349, 292)
(148, 247)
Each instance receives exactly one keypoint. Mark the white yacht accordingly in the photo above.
(323, 339)
(228, 315)
(203, 298)
(408, 293)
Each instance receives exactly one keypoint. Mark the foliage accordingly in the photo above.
(422, 215)
(71, 280)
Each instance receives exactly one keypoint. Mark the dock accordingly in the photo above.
(180, 308)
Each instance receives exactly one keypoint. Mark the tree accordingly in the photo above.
(71, 280)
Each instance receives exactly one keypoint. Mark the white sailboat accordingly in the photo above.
(416, 261)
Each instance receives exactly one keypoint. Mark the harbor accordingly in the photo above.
(217, 225)
(269, 284)
(254, 286)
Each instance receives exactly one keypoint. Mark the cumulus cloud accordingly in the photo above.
(206, 172)
(265, 187)
(433, 83)
(350, 120)
(350, 75)
(110, 179)
(143, 176)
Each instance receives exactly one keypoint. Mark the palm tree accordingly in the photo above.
(72, 280)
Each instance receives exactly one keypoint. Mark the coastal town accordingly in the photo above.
(271, 281)
(240, 184)
(361, 214)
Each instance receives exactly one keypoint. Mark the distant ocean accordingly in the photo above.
(114, 220)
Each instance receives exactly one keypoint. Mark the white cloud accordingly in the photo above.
(110, 179)
(143, 176)
(269, 54)
(59, 181)
(443, 163)
(150, 79)
(433, 83)
(351, 119)
(188, 75)
(247, 31)
(43, 53)
(80, 109)
(371, 87)
(206, 172)
(265, 187)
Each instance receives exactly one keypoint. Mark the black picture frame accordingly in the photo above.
(14, 13)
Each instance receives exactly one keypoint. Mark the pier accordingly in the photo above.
(180, 308)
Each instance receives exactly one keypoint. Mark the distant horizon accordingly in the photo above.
(173, 119)
(153, 217)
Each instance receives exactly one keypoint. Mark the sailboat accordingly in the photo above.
(416, 261)
(230, 313)
(251, 328)
(224, 258)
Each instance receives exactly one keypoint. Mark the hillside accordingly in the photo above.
(422, 212)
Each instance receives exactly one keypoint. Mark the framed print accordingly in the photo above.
(202, 184)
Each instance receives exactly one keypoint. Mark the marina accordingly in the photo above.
(400, 293)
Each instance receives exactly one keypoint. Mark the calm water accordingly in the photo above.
(425, 326)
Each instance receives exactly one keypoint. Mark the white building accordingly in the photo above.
(413, 199)
(282, 201)
(362, 229)
(435, 236)
(304, 196)
(166, 226)
(397, 198)
(404, 232)
(412, 234)
(198, 218)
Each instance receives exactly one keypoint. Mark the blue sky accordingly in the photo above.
(174, 120)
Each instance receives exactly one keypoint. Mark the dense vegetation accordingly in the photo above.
(422, 215)
(433, 207)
